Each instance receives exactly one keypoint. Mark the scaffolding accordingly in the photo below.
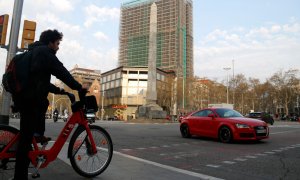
(174, 35)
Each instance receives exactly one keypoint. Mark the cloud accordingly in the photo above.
(101, 36)
(258, 52)
(292, 28)
(72, 52)
(62, 5)
(100, 14)
(275, 28)
(50, 19)
(104, 60)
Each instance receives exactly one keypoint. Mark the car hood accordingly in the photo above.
(249, 121)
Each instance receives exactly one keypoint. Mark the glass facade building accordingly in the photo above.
(174, 35)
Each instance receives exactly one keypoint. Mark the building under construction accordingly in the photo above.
(174, 47)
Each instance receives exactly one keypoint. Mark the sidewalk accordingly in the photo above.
(279, 122)
(121, 167)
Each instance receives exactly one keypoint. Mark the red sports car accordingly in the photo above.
(225, 124)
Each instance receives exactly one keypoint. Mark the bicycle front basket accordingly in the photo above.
(91, 103)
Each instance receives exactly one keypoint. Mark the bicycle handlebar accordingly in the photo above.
(82, 93)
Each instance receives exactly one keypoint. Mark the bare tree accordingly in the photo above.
(285, 85)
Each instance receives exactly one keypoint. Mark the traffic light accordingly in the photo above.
(3, 28)
(28, 33)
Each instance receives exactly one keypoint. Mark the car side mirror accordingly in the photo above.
(211, 115)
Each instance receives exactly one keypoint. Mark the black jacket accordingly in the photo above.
(44, 63)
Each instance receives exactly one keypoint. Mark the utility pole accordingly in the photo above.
(227, 69)
(12, 50)
(234, 83)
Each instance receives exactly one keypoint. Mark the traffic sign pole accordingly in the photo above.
(12, 49)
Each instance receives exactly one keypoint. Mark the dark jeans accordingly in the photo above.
(32, 120)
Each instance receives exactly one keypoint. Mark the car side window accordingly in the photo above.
(209, 112)
(197, 114)
(203, 113)
(228, 114)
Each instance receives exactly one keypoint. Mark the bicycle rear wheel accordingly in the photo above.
(7, 133)
(80, 151)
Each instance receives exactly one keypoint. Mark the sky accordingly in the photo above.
(256, 38)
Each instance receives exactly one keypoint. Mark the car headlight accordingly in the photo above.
(242, 126)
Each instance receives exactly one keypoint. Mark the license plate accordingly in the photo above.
(261, 131)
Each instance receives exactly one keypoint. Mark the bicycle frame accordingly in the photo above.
(52, 153)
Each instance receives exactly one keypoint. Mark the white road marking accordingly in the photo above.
(228, 162)
(251, 157)
(212, 165)
(291, 147)
(165, 146)
(295, 145)
(202, 176)
(63, 156)
(281, 132)
(153, 147)
(240, 159)
(126, 149)
(260, 154)
(176, 144)
(269, 152)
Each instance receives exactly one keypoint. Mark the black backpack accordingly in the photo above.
(16, 76)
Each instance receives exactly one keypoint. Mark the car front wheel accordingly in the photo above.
(185, 132)
(225, 135)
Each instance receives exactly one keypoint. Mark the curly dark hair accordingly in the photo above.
(50, 36)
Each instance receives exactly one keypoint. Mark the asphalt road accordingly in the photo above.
(157, 151)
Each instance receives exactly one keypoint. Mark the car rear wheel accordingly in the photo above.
(225, 134)
(185, 132)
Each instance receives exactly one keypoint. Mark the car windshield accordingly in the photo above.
(225, 113)
(255, 115)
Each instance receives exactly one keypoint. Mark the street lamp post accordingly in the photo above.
(227, 69)
(102, 110)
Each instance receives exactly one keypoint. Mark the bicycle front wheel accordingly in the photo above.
(83, 161)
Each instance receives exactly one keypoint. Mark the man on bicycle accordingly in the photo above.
(33, 103)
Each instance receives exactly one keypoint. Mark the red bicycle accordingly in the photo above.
(90, 148)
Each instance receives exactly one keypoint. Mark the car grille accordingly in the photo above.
(261, 130)
(246, 135)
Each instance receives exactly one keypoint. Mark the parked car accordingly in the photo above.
(113, 118)
(262, 116)
(224, 124)
(90, 115)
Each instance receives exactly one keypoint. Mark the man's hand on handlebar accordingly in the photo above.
(71, 97)
(82, 92)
